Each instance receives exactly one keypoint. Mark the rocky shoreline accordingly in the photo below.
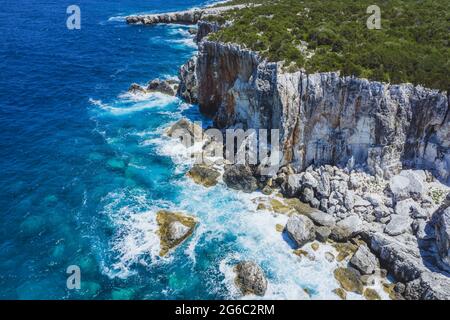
(365, 165)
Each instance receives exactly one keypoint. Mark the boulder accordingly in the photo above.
(349, 279)
(162, 86)
(364, 261)
(406, 185)
(136, 89)
(250, 278)
(371, 294)
(349, 199)
(301, 229)
(346, 229)
(174, 228)
(341, 293)
(184, 126)
(240, 177)
(322, 218)
(292, 185)
(409, 207)
(204, 175)
(399, 224)
(322, 233)
(308, 180)
(323, 187)
(307, 195)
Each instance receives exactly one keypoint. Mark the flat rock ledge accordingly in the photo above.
(174, 228)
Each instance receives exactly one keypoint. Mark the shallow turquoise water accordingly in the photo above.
(85, 167)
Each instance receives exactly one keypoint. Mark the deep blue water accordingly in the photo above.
(84, 167)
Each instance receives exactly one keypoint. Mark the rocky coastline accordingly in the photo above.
(365, 165)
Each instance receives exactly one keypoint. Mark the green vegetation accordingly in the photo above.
(317, 35)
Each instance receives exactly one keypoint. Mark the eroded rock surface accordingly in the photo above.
(174, 228)
(250, 278)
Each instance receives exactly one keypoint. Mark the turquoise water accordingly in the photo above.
(86, 166)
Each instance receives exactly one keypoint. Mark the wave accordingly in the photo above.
(131, 103)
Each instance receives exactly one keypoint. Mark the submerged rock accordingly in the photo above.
(371, 294)
(174, 228)
(340, 293)
(250, 278)
(301, 229)
(204, 175)
(240, 177)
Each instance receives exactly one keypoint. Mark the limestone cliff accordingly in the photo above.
(324, 118)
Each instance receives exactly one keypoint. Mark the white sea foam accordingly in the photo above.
(136, 240)
(141, 102)
(117, 19)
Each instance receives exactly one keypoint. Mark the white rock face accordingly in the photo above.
(324, 118)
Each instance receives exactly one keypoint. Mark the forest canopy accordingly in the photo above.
(413, 44)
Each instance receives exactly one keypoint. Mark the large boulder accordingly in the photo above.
(240, 177)
(399, 224)
(322, 218)
(301, 229)
(292, 185)
(407, 184)
(364, 261)
(347, 229)
(174, 228)
(184, 127)
(204, 175)
(163, 86)
(250, 278)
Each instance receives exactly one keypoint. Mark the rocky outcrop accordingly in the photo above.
(442, 227)
(181, 17)
(411, 265)
(240, 177)
(250, 278)
(188, 89)
(164, 86)
(364, 261)
(325, 118)
(168, 87)
(204, 175)
(174, 228)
